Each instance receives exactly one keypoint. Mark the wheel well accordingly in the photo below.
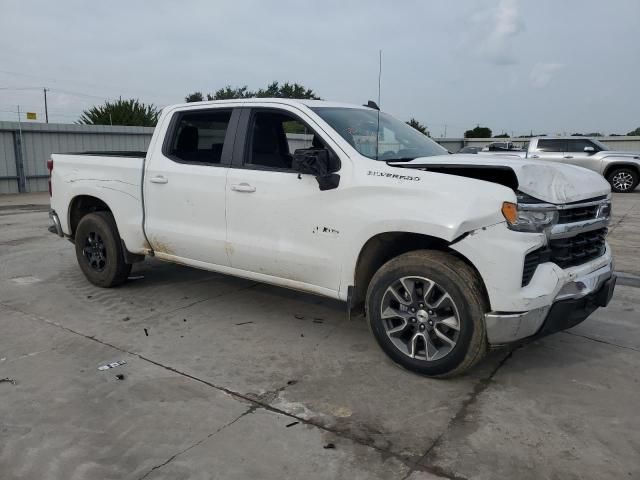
(383, 247)
(615, 166)
(81, 206)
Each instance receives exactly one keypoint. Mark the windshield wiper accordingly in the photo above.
(401, 159)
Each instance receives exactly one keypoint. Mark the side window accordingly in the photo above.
(199, 136)
(579, 144)
(273, 138)
(551, 145)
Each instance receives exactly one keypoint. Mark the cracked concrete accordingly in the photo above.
(204, 397)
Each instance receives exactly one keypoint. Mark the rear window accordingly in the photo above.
(552, 145)
(198, 137)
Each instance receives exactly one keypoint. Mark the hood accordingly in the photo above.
(548, 181)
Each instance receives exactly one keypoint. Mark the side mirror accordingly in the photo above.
(589, 150)
(316, 162)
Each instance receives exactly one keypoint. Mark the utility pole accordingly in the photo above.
(46, 110)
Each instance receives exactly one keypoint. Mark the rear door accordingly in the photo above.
(551, 149)
(279, 222)
(184, 186)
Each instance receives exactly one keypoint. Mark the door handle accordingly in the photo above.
(158, 179)
(243, 187)
(568, 156)
(535, 156)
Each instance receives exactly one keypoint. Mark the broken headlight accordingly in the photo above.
(529, 218)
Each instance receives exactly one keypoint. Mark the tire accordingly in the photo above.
(623, 179)
(439, 273)
(99, 250)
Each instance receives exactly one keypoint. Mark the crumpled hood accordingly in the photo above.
(552, 182)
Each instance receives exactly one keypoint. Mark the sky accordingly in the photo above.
(516, 66)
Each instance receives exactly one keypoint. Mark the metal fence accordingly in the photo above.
(26, 147)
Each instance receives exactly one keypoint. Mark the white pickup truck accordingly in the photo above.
(449, 255)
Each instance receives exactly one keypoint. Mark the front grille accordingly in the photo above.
(578, 214)
(566, 252)
(569, 252)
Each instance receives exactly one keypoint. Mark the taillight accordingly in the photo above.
(50, 168)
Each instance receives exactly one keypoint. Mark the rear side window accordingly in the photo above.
(552, 145)
(198, 137)
(579, 144)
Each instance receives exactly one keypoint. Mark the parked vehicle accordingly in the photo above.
(468, 149)
(621, 169)
(502, 147)
(447, 254)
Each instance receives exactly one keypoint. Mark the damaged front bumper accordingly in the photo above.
(576, 300)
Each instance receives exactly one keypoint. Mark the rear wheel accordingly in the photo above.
(99, 250)
(623, 180)
(426, 310)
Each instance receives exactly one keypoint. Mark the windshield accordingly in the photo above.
(600, 145)
(396, 141)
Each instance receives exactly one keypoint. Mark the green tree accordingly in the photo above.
(194, 97)
(121, 112)
(287, 90)
(273, 90)
(478, 132)
(635, 132)
(418, 126)
(229, 92)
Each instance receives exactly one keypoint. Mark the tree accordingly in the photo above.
(287, 90)
(418, 126)
(478, 132)
(273, 90)
(502, 135)
(635, 132)
(229, 92)
(121, 112)
(194, 97)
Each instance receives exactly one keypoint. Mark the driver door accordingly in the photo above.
(279, 223)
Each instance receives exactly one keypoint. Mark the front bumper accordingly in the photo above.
(575, 301)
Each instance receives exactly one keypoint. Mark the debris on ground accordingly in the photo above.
(112, 365)
(8, 380)
(137, 277)
(184, 319)
(89, 296)
(292, 382)
(292, 424)
(120, 376)
(318, 320)
(329, 446)
(243, 323)
(299, 317)
(146, 332)
(126, 319)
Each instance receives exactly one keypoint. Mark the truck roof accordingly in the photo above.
(286, 101)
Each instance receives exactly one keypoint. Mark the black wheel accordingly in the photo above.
(99, 250)
(426, 310)
(623, 180)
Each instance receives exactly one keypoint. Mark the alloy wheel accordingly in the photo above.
(95, 251)
(420, 318)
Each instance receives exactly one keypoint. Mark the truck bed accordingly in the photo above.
(113, 177)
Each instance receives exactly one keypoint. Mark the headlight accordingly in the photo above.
(528, 219)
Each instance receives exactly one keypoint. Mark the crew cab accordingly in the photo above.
(447, 255)
(621, 169)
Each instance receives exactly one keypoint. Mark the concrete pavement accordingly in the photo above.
(226, 378)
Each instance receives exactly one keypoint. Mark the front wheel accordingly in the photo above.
(99, 250)
(623, 180)
(426, 310)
